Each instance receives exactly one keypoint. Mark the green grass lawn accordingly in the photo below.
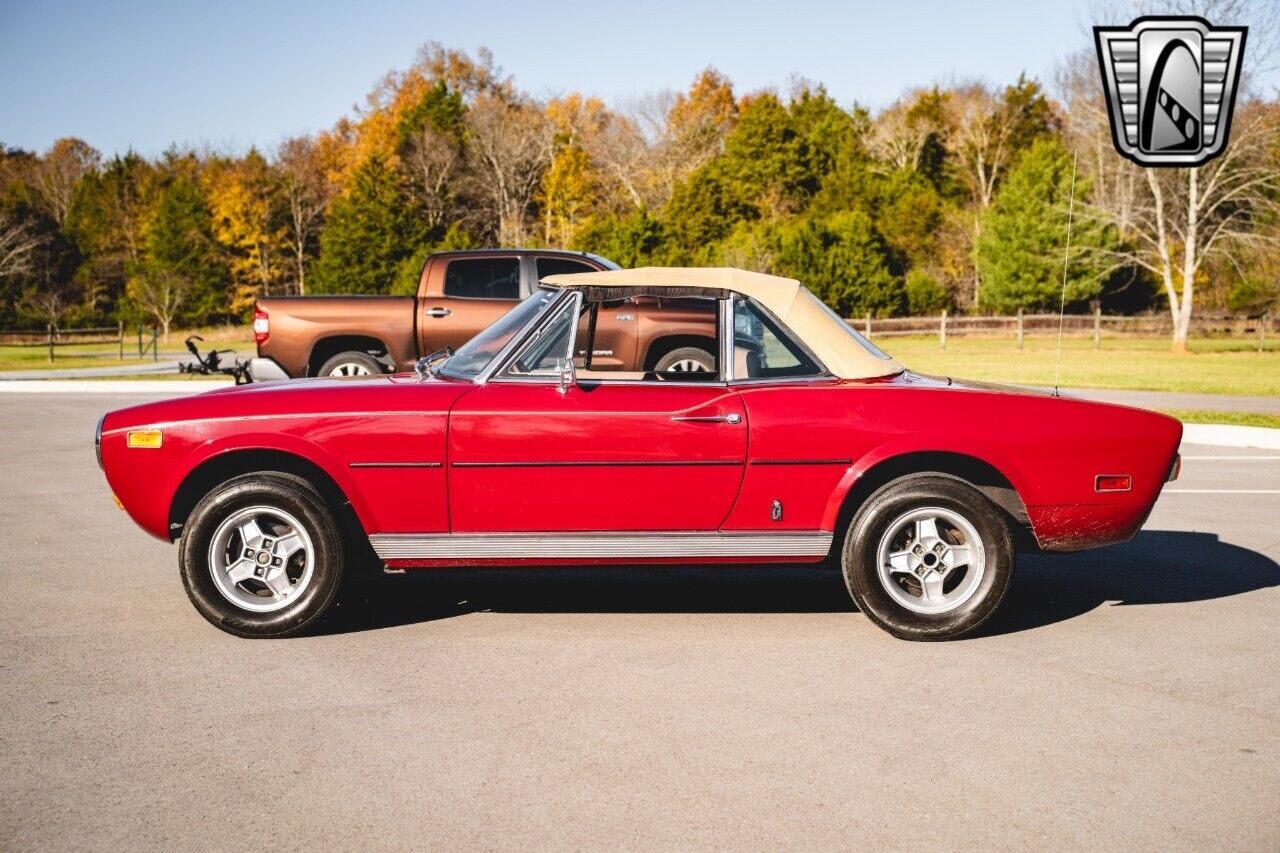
(1132, 364)
(1189, 416)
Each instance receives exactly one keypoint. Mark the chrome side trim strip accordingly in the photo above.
(450, 546)
(616, 463)
(395, 465)
(801, 461)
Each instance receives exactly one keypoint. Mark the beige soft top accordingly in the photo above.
(841, 350)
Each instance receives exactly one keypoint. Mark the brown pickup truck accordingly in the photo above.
(459, 294)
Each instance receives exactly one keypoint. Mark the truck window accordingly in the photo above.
(483, 278)
(558, 266)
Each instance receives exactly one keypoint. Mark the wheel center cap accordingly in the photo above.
(263, 558)
(931, 560)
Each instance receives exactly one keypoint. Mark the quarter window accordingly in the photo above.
(483, 278)
(762, 349)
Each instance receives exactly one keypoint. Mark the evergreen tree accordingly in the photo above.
(180, 245)
(844, 262)
(370, 231)
(1024, 232)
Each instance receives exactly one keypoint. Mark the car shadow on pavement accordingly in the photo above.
(1156, 567)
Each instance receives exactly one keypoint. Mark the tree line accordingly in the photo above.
(954, 197)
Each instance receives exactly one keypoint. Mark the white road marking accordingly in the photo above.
(1221, 492)
(1251, 458)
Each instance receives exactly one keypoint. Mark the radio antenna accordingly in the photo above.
(1066, 260)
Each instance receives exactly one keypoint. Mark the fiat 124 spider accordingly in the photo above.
(532, 444)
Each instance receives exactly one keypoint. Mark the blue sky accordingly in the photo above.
(143, 75)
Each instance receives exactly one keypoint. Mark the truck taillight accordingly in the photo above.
(261, 326)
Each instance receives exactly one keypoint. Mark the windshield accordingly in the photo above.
(473, 356)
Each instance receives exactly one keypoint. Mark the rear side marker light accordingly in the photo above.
(146, 438)
(1113, 483)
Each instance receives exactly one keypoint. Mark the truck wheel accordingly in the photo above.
(928, 557)
(351, 364)
(261, 556)
(686, 360)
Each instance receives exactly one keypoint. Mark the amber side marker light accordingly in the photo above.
(1112, 483)
(148, 438)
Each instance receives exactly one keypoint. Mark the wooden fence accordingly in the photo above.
(51, 338)
(1095, 325)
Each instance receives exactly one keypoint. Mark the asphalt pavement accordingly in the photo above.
(1123, 698)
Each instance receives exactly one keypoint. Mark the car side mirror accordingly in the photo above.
(566, 374)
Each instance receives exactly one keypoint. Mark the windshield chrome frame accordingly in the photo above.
(518, 339)
(535, 328)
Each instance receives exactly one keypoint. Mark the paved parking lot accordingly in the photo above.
(1125, 697)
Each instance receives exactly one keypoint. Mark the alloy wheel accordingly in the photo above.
(931, 560)
(261, 559)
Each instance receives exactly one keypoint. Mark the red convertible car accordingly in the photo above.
(533, 445)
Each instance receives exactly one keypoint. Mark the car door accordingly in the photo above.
(526, 454)
(475, 292)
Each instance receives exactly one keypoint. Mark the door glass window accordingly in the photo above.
(483, 278)
(559, 266)
(650, 339)
(762, 349)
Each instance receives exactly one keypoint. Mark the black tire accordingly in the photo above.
(353, 360)
(275, 490)
(892, 502)
(678, 361)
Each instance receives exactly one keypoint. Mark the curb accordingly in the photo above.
(107, 386)
(1223, 435)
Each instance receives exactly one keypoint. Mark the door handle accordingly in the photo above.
(438, 312)
(731, 418)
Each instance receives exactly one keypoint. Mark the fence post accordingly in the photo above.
(1019, 328)
(942, 330)
(120, 335)
(868, 327)
(155, 349)
(49, 332)
(1262, 331)
(139, 340)
(1097, 328)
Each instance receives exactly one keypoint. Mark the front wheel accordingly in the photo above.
(928, 557)
(260, 556)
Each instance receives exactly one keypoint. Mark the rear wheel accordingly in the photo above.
(351, 364)
(686, 360)
(261, 556)
(928, 557)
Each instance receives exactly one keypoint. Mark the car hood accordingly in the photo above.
(293, 397)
